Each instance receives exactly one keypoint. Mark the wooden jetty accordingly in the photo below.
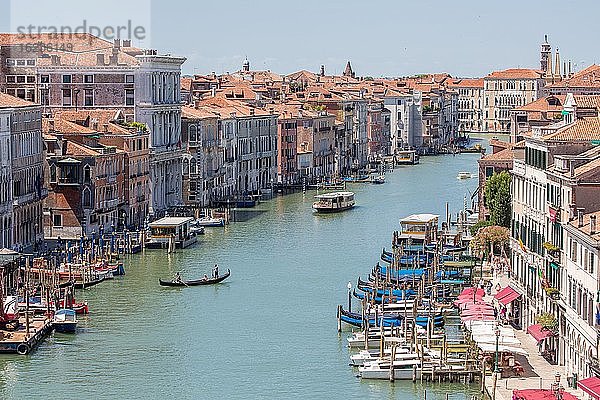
(27, 336)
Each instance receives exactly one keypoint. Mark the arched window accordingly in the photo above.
(186, 166)
(193, 133)
(87, 174)
(193, 167)
(53, 173)
(86, 198)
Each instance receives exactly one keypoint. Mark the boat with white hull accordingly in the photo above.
(402, 370)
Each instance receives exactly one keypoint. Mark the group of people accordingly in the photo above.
(499, 265)
(215, 274)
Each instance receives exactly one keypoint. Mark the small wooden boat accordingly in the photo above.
(65, 321)
(197, 282)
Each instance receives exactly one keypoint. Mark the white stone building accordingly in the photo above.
(21, 173)
(157, 104)
(405, 119)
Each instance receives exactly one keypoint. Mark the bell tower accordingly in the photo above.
(546, 57)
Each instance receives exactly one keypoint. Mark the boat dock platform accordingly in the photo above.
(22, 342)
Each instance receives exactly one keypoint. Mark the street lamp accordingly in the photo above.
(349, 296)
(497, 332)
(555, 387)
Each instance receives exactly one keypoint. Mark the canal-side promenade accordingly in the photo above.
(537, 374)
(267, 332)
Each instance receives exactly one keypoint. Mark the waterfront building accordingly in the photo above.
(87, 72)
(500, 159)
(133, 139)
(557, 174)
(579, 336)
(86, 182)
(22, 188)
(406, 129)
(249, 138)
(378, 130)
(203, 164)
(470, 102)
(503, 91)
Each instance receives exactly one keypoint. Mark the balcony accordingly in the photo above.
(63, 180)
(108, 204)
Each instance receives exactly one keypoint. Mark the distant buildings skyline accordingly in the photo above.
(382, 39)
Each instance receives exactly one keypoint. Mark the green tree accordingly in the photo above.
(498, 199)
(478, 225)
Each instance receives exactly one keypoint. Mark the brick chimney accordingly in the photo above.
(55, 59)
(592, 224)
(580, 217)
(100, 59)
(322, 73)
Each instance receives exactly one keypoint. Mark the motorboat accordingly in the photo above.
(333, 202)
(209, 222)
(464, 175)
(65, 321)
(368, 356)
(403, 369)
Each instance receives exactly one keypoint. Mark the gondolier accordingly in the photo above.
(216, 271)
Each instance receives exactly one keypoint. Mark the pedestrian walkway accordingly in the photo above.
(537, 374)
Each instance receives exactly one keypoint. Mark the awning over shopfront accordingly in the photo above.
(507, 295)
(539, 333)
(591, 386)
(540, 394)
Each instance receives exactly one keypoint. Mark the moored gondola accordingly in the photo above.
(196, 282)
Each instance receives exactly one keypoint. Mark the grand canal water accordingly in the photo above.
(268, 332)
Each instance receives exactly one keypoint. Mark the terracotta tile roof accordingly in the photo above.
(587, 167)
(197, 113)
(516, 73)
(88, 58)
(588, 77)
(76, 41)
(302, 75)
(586, 228)
(103, 116)
(584, 129)
(8, 101)
(59, 125)
(186, 83)
(543, 104)
(225, 107)
(76, 149)
(471, 83)
(503, 155)
(587, 101)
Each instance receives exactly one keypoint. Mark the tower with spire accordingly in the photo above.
(246, 65)
(348, 71)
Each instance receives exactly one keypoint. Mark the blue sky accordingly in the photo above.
(381, 38)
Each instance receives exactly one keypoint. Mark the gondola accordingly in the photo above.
(197, 282)
(87, 284)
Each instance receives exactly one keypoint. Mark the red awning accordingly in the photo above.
(540, 394)
(502, 293)
(591, 386)
(539, 333)
(507, 295)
